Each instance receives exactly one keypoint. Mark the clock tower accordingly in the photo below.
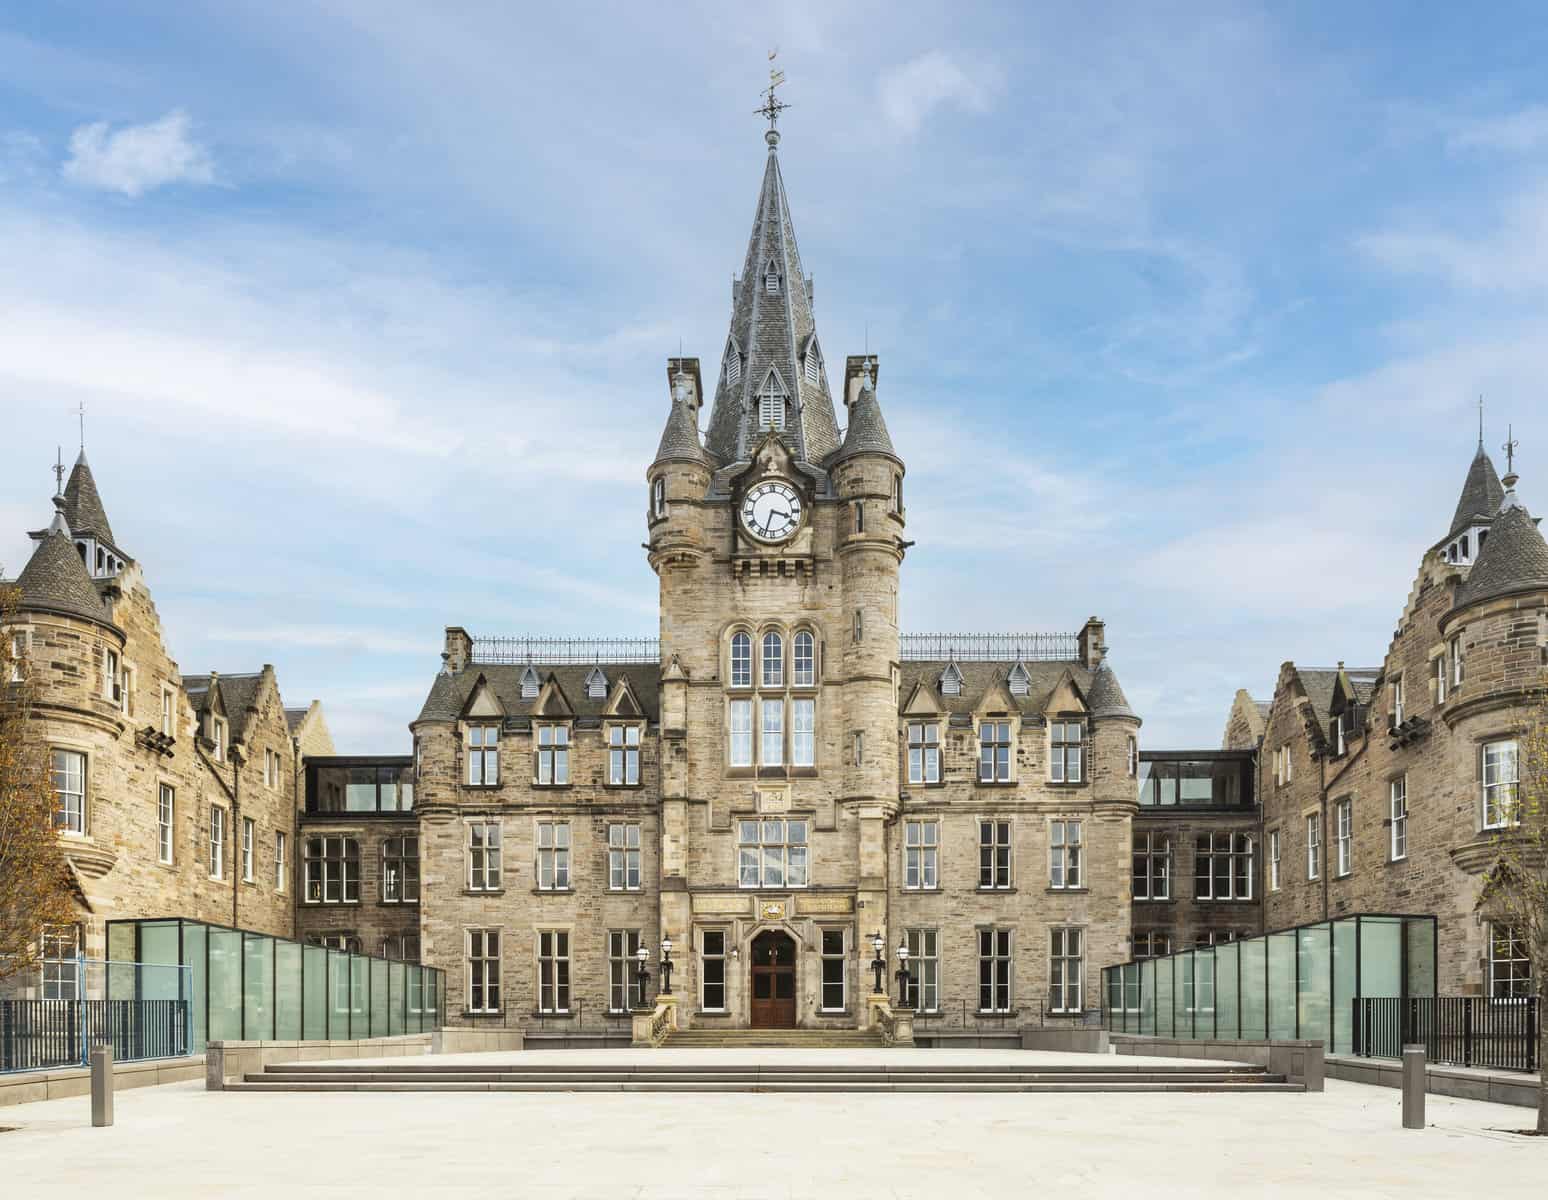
(777, 540)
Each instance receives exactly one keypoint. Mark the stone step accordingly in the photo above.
(561, 1081)
(767, 1086)
(1110, 1067)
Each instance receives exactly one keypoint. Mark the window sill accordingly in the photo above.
(397, 904)
(1396, 862)
(712, 1012)
(482, 1014)
(924, 891)
(623, 891)
(483, 891)
(1225, 900)
(564, 891)
(835, 1012)
(551, 787)
(1066, 891)
(996, 891)
(1067, 783)
(553, 1016)
(1151, 899)
(995, 783)
(619, 787)
(330, 904)
(481, 787)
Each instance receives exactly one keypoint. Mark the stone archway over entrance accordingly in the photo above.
(773, 980)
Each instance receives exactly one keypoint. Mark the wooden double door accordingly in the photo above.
(773, 981)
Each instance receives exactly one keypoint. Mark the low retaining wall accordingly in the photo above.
(475, 1041)
(27, 1086)
(1298, 1060)
(233, 1060)
(1466, 1083)
(1077, 1039)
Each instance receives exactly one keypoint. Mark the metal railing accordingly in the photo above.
(50, 1019)
(1461, 1031)
(563, 651)
(989, 647)
(912, 647)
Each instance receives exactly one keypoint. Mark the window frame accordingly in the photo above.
(739, 665)
(623, 980)
(217, 842)
(1240, 853)
(1274, 850)
(1066, 758)
(996, 854)
(281, 861)
(996, 969)
(624, 743)
(625, 856)
(921, 854)
(338, 864)
(249, 851)
(740, 738)
(923, 740)
(551, 742)
(1518, 977)
(482, 753)
(1067, 969)
(1397, 817)
(482, 950)
(1506, 791)
(67, 819)
(1343, 837)
(996, 745)
(803, 659)
(555, 978)
(1313, 847)
(706, 957)
(803, 732)
(1064, 854)
(166, 823)
(787, 853)
(771, 733)
(771, 659)
(484, 844)
(832, 962)
(401, 850)
(924, 958)
(1150, 854)
(552, 844)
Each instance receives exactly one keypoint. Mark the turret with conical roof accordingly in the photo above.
(1476, 508)
(55, 579)
(1514, 559)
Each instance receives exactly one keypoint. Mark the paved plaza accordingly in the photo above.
(180, 1140)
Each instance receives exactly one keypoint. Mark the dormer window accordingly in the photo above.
(530, 684)
(596, 684)
(813, 368)
(733, 368)
(771, 278)
(1019, 681)
(771, 405)
(951, 680)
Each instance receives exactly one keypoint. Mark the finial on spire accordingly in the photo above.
(1510, 447)
(58, 470)
(81, 412)
(772, 104)
(1480, 422)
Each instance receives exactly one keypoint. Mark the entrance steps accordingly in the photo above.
(1101, 1075)
(796, 1039)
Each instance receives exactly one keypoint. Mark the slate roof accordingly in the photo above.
(1482, 493)
(1514, 559)
(1105, 695)
(867, 432)
(680, 437)
(294, 718)
(1318, 685)
(56, 580)
(238, 694)
(449, 693)
(979, 677)
(771, 329)
(83, 505)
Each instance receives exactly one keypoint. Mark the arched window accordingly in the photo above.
(773, 660)
(658, 498)
(805, 659)
(741, 660)
(771, 405)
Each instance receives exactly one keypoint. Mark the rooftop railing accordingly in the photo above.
(912, 647)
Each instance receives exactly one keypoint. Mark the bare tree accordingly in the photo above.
(1515, 891)
(35, 887)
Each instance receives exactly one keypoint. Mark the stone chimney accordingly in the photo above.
(1092, 644)
(459, 649)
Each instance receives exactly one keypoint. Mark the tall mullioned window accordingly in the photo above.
(623, 981)
(1273, 860)
(623, 858)
(741, 660)
(1152, 866)
(69, 778)
(553, 755)
(772, 853)
(1064, 846)
(994, 970)
(772, 672)
(924, 965)
(1501, 777)
(1223, 866)
(739, 734)
(249, 834)
(712, 970)
(1064, 971)
(1343, 836)
(803, 733)
(921, 853)
(1152, 943)
(483, 755)
(165, 808)
(332, 870)
(994, 752)
(1066, 740)
(994, 854)
(1397, 796)
(771, 733)
(804, 659)
(924, 752)
(217, 842)
(553, 971)
(484, 856)
(484, 970)
(400, 870)
(1313, 848)
(623, 755)
(834, 963)
(553, 856)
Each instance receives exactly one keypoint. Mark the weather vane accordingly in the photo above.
(1510, 447)
(772, 104)
(59, 470)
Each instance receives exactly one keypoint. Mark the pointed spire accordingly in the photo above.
(1481, 495)
(771, 326)
(867, 432)
(82, 504)
(1513, 559)
(1105, 696)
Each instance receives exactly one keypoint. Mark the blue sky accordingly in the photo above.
(1183, 311)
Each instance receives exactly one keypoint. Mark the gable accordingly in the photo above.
(623, 702)
(1066, 697)
(552, 702)
(483, 702)
(996, 700)
(921, 703)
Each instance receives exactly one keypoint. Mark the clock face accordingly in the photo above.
(771, 511)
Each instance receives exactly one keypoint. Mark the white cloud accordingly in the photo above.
(1511, 256)
(1516, 133)
(911, 92)
(137, 158)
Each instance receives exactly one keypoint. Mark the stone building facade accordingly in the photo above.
(1385, 789)
(782, 775)
(176, 793)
